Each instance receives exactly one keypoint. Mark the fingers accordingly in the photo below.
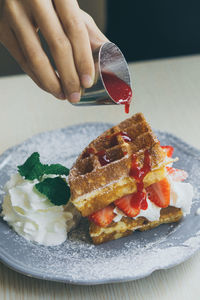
(97, 38)
(75, 29)
(10, 42)
(71, 35)
(59, 45)
(35, 58)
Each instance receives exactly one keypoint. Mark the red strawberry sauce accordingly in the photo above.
(139, 198)
(123, 134)
(119, 90)
(103, 159)
(102, 155)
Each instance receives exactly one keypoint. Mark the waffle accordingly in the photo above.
(94, 186)
(127, 225)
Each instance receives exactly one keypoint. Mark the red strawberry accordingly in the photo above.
(104, 216)
(177, 174)
(159, 193)
(168, 149)
(125, 204)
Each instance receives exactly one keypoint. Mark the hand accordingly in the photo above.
(71, 35)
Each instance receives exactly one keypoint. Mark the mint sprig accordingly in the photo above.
(55, 189)
(34, 169)
(56, 169)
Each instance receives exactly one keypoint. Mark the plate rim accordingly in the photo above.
(12, 264)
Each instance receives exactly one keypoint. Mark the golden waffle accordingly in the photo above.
(94, 186)
(127, 225)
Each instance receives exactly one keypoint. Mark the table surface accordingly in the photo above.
(168, 93)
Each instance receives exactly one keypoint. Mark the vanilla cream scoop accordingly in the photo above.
(33, 216)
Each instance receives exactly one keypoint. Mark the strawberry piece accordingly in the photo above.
(159, 193)
(168, 149)
(126, 205)
(176, 174)
(104, 216)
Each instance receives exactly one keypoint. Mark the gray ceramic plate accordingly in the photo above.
(77, 261)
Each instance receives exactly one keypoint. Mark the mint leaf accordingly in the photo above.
(56, 169)
(55, 189)
(32, 168)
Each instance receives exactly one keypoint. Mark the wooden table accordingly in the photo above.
(168, 93)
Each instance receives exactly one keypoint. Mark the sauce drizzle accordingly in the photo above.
(138, 199)
(119, 90)
(102, 155)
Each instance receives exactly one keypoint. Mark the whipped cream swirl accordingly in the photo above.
(33, 216)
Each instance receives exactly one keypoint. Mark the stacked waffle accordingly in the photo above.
(119, 177)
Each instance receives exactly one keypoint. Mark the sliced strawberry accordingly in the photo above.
(159, 193)
(125, 204)
(168, 149)
(177, 174)
(104, 216)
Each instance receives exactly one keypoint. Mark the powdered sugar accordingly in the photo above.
(77, 260)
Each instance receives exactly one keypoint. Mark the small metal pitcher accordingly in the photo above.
(107, 58)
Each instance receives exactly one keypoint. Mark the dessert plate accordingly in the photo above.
(77, 261)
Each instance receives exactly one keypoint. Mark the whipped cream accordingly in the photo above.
(180, 196)
(33, 216)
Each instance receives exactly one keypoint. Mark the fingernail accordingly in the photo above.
(86, 81)
(74, 97)
(61, 96)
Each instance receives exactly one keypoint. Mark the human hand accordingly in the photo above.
(71, 35)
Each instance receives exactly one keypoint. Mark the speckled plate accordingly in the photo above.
(77, 261)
